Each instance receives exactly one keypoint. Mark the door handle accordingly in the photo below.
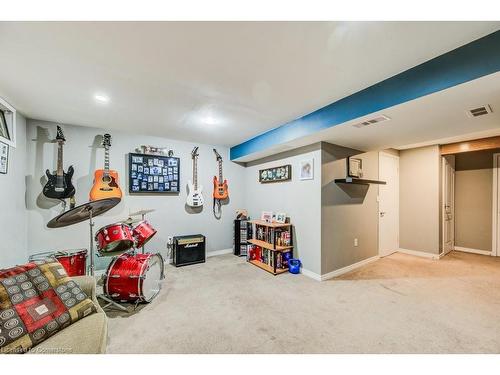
(382, 213)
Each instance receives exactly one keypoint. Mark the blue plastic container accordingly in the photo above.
(294, 266)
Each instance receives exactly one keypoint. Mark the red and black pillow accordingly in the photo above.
(37, 300)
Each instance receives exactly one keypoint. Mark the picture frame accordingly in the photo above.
(306, 169)
(354, 167)
(149, 174)
(266, 216)
(4, 128)
(281, 217)
(275, 174)
(4, 157)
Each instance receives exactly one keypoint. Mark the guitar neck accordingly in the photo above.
(60, 171)
(220, 171)
(195, 172)
(106, 161)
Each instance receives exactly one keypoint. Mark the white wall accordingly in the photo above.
(13, 212)
(85, 154)
(300, 200)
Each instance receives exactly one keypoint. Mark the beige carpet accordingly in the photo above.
(399, 304)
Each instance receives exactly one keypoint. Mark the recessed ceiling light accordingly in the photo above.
(210, 120)
(101, 98)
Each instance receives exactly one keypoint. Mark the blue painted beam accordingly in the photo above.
(471, 61)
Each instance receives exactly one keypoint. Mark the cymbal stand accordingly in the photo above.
(91, 271)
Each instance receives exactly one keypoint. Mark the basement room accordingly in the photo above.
(249, 187)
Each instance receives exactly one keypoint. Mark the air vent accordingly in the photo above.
(371, 121)
(479, 111)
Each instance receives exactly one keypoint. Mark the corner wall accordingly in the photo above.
(347, 211)
(12, 205)
(419, 199)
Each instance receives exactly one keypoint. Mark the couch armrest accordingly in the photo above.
(88, 285)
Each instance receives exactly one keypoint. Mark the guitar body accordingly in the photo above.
(195, 196)
(59, 187)
(220, 189)
(105, 186)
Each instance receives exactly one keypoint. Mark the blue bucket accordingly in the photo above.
(294, 266)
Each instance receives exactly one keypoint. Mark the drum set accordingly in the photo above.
(130, 276)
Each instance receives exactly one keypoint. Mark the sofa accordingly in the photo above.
(87, 336)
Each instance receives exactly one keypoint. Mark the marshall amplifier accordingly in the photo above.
(189, 250)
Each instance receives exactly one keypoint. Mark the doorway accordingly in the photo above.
(388, 204)
(448, 209)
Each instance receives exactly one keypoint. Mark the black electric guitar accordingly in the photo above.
(59, 185)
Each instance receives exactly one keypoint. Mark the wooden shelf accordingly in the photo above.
(269, 246)
(357, 181)
(270, 225)
(268, 268)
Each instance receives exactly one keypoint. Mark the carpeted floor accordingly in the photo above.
(399, 304)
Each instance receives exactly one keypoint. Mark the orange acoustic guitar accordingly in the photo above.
(105, 180)
(220, 186)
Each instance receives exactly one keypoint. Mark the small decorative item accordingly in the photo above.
(266, 216)
(241, 214)
(281, 218)
(275, 174)
(152, 150)
(354, 167)
(4, 157)
(4, 130)
(307, 169)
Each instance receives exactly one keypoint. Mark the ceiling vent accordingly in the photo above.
(479, 111)
(372, 121)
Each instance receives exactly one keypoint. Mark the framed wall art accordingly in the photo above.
(275, 174)
(4, 157)
(354, 167)
(307, 169)
(153, 174)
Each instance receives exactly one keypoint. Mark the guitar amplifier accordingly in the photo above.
(189, 250)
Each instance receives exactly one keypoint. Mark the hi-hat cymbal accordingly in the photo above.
(143, 212)
(82, 212)
(130, 221)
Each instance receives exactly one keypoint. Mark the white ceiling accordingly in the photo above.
(208, 82)
(433, 119)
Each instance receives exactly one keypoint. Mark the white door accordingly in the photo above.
(388, 204)
(495, 249)
(448, 203)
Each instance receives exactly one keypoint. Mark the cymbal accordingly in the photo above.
(131, 221)
(82, 212)
(142, 212)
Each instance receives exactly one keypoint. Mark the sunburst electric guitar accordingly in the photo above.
(220, 185)
(195, 196)
(105, 180)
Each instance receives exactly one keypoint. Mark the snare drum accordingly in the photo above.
(131, 278)
(143, 232)
(114, 239)
(73, 261)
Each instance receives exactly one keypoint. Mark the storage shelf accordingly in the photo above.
(358, 181)
(271, 225)
(269, 246)
(268, 268)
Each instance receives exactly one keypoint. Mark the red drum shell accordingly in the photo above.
(73, 261)
(127, 280)
(114, 238)
(143, 232)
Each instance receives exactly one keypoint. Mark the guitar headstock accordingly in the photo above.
(106, 141)
(60, 135)
(194, 153)
(217, 155)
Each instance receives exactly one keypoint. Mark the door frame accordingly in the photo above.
(495, 228)
(442, 211)
(382, 153)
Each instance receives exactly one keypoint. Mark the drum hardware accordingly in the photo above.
(82, 213)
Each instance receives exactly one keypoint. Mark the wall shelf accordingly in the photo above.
(358, 181)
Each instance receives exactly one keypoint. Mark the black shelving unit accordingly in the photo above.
(242, 232)
(358, 181)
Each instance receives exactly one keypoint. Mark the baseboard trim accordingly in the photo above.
(219, 252)
(349, 268)
(417, 253)
(310, 274)
(473, 251)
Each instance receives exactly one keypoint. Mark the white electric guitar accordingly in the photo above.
(195, 197)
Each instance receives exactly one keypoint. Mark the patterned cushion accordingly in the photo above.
(37, 300)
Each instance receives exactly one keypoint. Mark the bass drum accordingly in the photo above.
(134, 277)
(73, 261)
